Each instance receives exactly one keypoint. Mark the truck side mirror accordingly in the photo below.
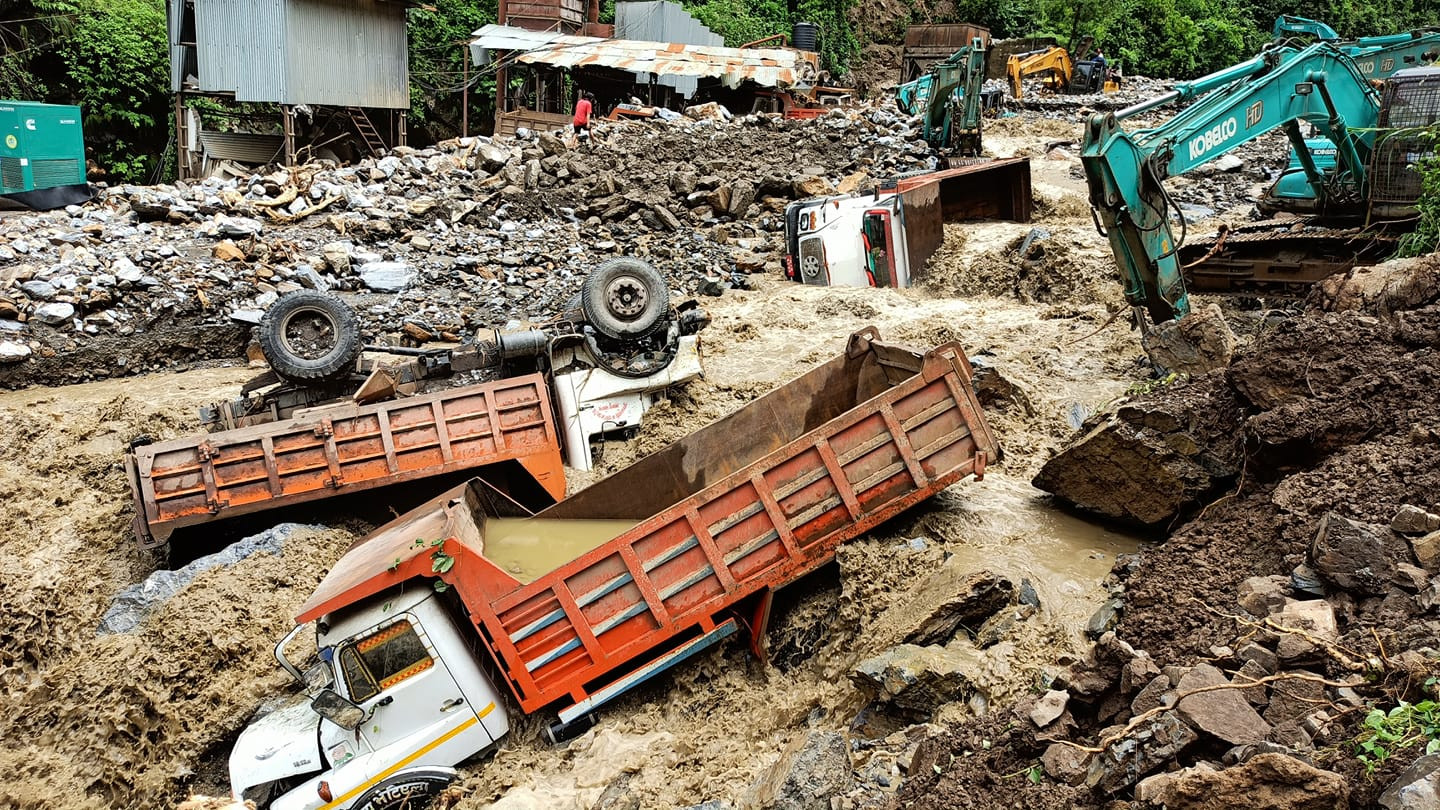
(334, 707)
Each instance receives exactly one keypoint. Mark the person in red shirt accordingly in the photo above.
(583, 108)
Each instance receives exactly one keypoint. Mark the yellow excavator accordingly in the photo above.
(1061, 72)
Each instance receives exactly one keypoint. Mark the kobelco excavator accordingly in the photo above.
(1379, 132)
(949, 100)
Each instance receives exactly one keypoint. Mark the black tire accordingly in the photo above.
(409, 790)
(624, 298)
(309, 336)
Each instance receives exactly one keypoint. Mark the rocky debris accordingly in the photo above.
(1200, 342)
(974, 599)
(915, 681)
(1351, 555)
(1065, 764)
(1427, 551)
(12, 352)
(1221, 712)
(486, 230)
(1261, 596)
(809, 773)
(1152, 457)
(1416, 788)
(1265, 782)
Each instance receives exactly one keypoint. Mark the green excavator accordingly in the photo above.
(948, 99)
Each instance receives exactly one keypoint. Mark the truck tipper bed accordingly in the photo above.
(721, 518)
(340, 449)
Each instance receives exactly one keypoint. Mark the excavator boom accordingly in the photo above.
(1281, 87)
(948, 99)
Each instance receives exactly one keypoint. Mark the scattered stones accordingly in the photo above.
(809, 773)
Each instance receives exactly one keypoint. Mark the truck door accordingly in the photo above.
(395, 673)
(880, 249)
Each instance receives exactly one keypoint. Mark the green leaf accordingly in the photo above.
(441, 562)
(1432, 746)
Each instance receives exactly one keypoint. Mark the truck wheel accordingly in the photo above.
(410, 790)
(308, 336)
(624, 298)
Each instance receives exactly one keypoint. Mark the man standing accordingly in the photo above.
(583, 108)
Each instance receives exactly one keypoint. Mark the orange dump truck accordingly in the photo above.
(425, 634)
(338, 449)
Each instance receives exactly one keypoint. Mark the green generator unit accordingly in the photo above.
(42, 155)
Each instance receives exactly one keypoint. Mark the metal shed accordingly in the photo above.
(349, 54)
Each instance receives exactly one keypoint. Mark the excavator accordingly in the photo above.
(1355, 208)
(948, 98)
(1060, 71)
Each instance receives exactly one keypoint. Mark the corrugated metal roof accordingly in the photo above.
(769, 67)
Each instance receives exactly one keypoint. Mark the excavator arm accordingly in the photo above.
(948, 99)
(1054, 60)
(1280, 87)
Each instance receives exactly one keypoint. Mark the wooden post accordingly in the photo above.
(182, 150)
(287, 126)
(465, 91)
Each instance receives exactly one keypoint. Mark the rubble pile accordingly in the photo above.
(429, 242)
(1280, 648)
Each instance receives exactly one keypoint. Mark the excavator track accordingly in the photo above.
(1279, 257)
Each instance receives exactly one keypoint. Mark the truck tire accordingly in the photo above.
(309, 336)
(624, 298)
(408, 790)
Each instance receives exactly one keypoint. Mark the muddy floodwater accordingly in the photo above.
(528, 548)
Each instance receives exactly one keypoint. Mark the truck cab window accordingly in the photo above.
(877, 249)
(382, 659)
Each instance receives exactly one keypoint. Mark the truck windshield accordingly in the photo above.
(877, 250)
(382, 659)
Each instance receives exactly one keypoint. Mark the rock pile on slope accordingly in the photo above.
(471, 233)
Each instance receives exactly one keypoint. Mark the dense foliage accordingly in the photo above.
(110, 56)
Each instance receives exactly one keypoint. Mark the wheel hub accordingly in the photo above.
(626, 297)
(308, 333)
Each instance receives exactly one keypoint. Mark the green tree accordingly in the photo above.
(117, 69)
(438, 33)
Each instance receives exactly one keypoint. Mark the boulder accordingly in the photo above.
(1065, 764)
(1416, 788)
(809, 772)
(1144, 750)
(55, 314)
(808, 185)
(1351, 555)
(227, 251)
(1414, 520)
(1049, 707)
(1427, 551)
(38, 290)
(967, 605)
(12, 352)
(1198, 343)
(1223, 713)
(1265, 782)
(387, 276)
(1315, 616)
(917, 680)
(1261, 596)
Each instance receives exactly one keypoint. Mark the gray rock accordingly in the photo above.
(1260, 596)
(1104, 618)
(1351, 555)
(1414, 520)
(1049, 707)
(388, 165)
(1265, 659)
(975, 599)
(1143, 751)
(917, 680)
(12, 352)
(126, 271)
(38, 290)
(238, 226)
(1065, 764)
(56, 313)
(251, 316)
(1196, 344)
(1427, 551)
(387, 276)
(1227, 163)
(808, 774)
(1416, 788)
(1222, 713)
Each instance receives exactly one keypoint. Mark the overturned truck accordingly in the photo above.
(432, 629)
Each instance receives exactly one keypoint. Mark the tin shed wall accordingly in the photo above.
(241, 48)
(350, 53)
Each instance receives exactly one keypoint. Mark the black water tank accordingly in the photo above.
(807, 36)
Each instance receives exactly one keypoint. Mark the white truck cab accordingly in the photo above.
(397, 699)
(853, 241)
